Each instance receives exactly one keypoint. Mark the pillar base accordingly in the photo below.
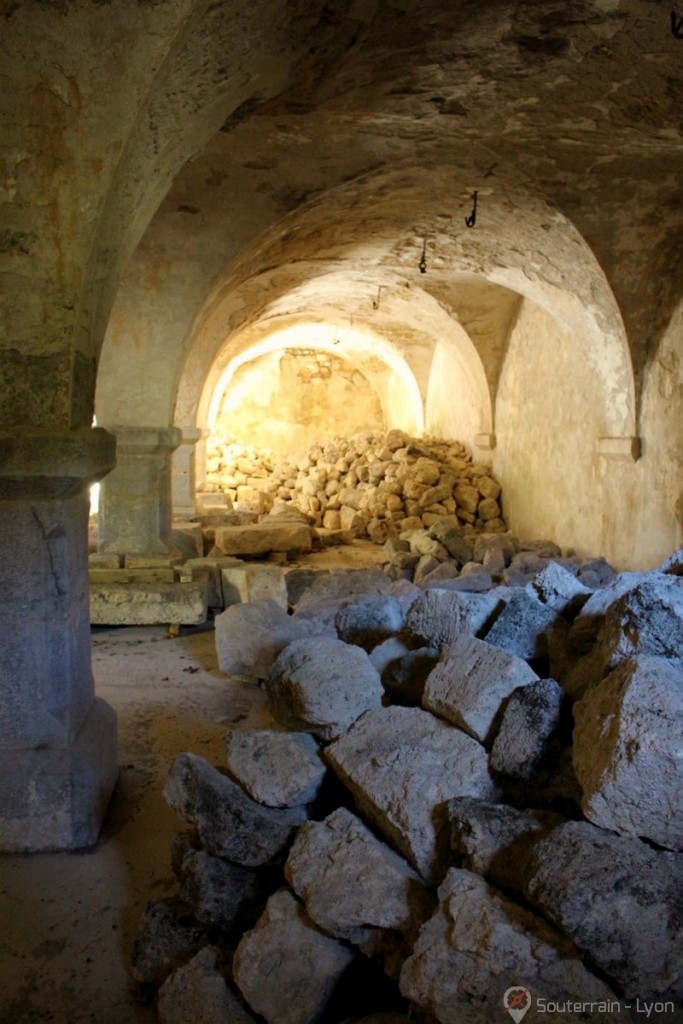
(56, 799)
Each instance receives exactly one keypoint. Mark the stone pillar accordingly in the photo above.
(183, 483)
(135, 500)
(58, 762)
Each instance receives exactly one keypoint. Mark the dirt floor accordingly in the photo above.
(68, 920)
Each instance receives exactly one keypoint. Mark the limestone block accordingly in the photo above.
(488, 508)
(559, 589)
(198, 992)
(147, 604)
(332, 520)
(402, 764)
(619, 900)
(473, 579)
(220, 893)
(244, 583)
(249, 637)
(438, 616)
(230, 824)
(588, 623)
(367, 622)
(522, 624)
(307, 588)
(433, 495)
(443, 572)
(467, 497)
(355, 887)
(648, 619)
(627, 750)
(404, 679)
(495, 840)
(506, 542)
(98, 560)
(422, 544)
(167, 937)
(286, 968)
(471, 682)
(260, 538)
(488, 487)
(278, 769)
(426, 471)
(479, 944)
(530, 735)
(322, 685)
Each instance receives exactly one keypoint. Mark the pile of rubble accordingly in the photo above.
(376, 485)
(468, 802)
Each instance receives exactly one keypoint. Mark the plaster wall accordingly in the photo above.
(458, 404)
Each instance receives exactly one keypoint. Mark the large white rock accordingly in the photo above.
(249, 637)
(243, 583)
(278, 769)
(402, 765)
(522, 624)
(148, 604)
(198, 992)
(438, 617)
(627, 750)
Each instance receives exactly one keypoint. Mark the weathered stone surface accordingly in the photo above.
(626, 754)
(321, 685)
(230, 824)
(367, 622)
(673, 565)
(168, 936)
(285, 967)
(341, 584)
(646, 620)
(147, 604)
(470, 683)
(479, 944)
(404, 679)
(260, 538)
(402, 764)
(521, 626)
(619, 900)
(448, 532)
(198, 992)
(355, 887)
(437, 617)
(588, 623)
(559, 589)
(278, 769)
(220, 893)
(495, 840)
(249, 637)
(387, 652)
(243, 583)
(529, 738)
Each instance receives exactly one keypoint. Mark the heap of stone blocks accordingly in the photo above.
(464, 797)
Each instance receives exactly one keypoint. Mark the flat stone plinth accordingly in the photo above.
(148, 604)
(260, 538)
(56, 799)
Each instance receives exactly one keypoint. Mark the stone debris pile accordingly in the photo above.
(372, 485)
(461, 794)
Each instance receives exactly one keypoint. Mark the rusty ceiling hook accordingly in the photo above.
(423, 261)
(472, 219)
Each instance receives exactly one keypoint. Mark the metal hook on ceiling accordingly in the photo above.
(471, 220)
(376, 302)
(423, 259)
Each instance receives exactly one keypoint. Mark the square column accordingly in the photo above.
(58, 761)
(135, 499)
(183, 484)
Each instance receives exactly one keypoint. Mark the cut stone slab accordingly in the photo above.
(355, 887)
(199, 993)
(588, 622)
(646, 620)
(402, 765)
(530, 735)
(249, 637)
(322, 685)
(619, 900)
(470, 683)
(163, 575)
(168, 936)
(229, 823)
(369, 621)
(278, 769)
(479, 944)
(559, 589)
(448, 532)
(495, 840)
(260, 538)
(285, 967)
(244, 583)
(627, 751)
(438, 616)
(337, 585)
(522, 624)
(148, 604)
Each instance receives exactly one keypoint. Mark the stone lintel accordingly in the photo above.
(619, 449)
(44, 465)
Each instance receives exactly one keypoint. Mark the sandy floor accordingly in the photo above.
(68, 920)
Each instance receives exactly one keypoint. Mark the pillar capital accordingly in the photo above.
(49, 464)
(146, 440)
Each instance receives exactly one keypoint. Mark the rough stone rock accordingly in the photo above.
(438, 616)
(470, 683)
(627, 740)
(522, 624)
(426, 566)
(559, 589)
(619, 900)
(442, 572)
(367, 622)
(342, 584)
(243, 583)
(530, 735)
(422, 544)
(482, 543)
(168, 936)
(401, 765)
(404, 679)
(260, 538)
(646, 620)
(278, 769)
(148, 604)
(448, 532)
(478, 944)
(588, 622)
(198, 992)
(470, 581)
(220, 893)
(322, 685)
(387, 652)
(355, 887)
(467, 497)
(230, 824)
(249, 637)
(495, 840)
(673, 565)
(285, 968)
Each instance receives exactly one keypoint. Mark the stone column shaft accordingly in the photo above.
(184, 475)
